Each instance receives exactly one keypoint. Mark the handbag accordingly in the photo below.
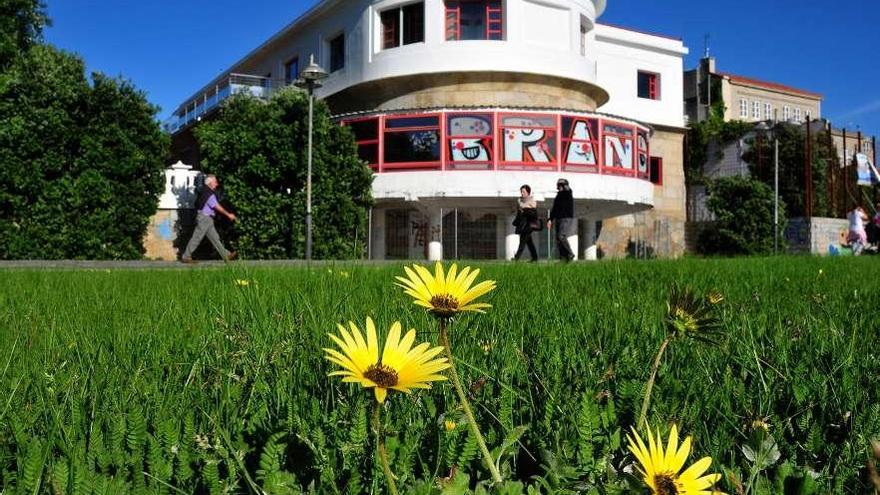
(537, 225)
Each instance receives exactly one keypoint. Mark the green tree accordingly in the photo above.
(743, 209)
(792, 151)
(21, 26)
(81, 161)
(258, 150)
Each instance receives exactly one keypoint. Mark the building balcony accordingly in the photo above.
(210, 98)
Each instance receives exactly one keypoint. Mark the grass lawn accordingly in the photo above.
(214, 380)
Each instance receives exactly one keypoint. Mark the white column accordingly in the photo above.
(435, 237)
(573, 242)
(377, 235)
(590, 252)
(511, 240)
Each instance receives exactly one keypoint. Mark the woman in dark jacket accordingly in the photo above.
(526, 222)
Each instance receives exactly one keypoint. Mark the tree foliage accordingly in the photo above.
(743, 209)
(21, 26)
(259, 151)
(792, 154)
(81, 161)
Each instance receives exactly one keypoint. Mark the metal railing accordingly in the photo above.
(193, 110)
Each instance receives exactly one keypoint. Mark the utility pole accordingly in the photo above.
(808, 172)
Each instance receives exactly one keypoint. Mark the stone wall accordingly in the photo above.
(815, 235)
(469, 89)
(660, 231)
(167, 233)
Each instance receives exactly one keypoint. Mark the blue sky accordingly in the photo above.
(172, 48)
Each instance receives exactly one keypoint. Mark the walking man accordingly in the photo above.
(207, 207)
(562, 214)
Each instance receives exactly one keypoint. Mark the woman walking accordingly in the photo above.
(857, 237)
(526, 222)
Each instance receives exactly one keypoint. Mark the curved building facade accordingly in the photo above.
(456, 103)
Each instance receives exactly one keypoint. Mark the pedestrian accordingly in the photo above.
(207, 207)
(857, 238)
(526, 222)
(562, 214)
(873, 230)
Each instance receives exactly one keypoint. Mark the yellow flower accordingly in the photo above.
(661, 468)
(401, 367)
(449, 425)
(715, 297)
(242, 283)
(445, 294)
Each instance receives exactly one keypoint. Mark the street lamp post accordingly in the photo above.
(310, 79)
(762, 127)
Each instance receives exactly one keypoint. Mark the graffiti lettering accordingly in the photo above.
(581, 153)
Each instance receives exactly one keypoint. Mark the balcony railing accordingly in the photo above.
(193, 110)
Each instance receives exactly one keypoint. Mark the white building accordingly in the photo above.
(456, 103)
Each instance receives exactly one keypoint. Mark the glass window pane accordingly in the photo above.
(369, 153)
(414, 23)
(470, 138)
(528, 121)
(427, 121)
(364, 130)
(412, 146)
(291, 70)
(390, 28)
(528, 139)
(473, 20)
(337, 53)
(644, 85)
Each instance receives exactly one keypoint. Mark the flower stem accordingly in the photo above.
(380, 445)
(643, 416)
(466, 406)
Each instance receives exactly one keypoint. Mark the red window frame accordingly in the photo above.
(653, 84)
(655, 163)
(553, 150)
(610, 169)
(449, 163)
(377, 167)
(557, 149)
(494, 19)
(384, 130)
(567, 141)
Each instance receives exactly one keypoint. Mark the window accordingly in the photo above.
(809, 115)
(474, 20)
(649, 85)
(786, 113)
(366, 134)
(291, 70)
(866, 147)
(470, 141)
(743, 108)
(403, 26)
(657, 170)
(618, 156)
(798, 115)
(642, 169)
(412, 142)
(580, 144)
(768, 111)
(756, 110)
(528, 140)
(337, 53)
